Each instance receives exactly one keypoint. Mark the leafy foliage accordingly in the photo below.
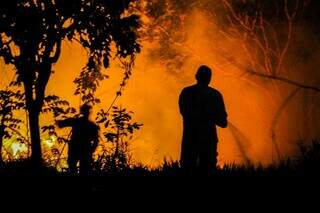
(59, 109)
(31, 35)
(118, 130)
(166, 27)
(32, 31)
(10, 102)
(57, 106)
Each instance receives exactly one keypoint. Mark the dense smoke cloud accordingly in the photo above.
(265, 49)
(269, 112)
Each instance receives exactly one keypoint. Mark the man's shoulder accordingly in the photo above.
(195, 88)
(215, 92)
(87, 122)
(189, 88)
(94, 125)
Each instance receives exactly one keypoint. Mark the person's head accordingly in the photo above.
(85, 110)
(203, 75)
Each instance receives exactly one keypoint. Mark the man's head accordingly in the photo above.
(203, 75)
(85, 110)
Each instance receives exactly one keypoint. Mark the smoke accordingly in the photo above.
(259, 114)
(153, 91)
(267, 116)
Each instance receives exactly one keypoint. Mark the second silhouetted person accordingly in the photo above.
(84, 140)
(202, 108)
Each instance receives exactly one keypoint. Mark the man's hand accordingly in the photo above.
(221, 121)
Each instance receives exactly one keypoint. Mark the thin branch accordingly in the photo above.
(275, 37)
(284, 80)
(290, 18)
(276, 119)
(294, 13)
(18, 133)
(229, 7)
(241, 142)
(285, 48)
(267, 48)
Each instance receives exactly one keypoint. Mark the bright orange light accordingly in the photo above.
(18, 149)
(51, 141)
(153, 91)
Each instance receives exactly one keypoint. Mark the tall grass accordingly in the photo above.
(305, 162)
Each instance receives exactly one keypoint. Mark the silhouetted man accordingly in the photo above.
(84, 140)
(202, 108)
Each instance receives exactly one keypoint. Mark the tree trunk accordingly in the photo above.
(36, 154)
(34, 87)
(33, 109)
(1, 144)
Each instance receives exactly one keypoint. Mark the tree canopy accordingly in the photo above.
(31, 35)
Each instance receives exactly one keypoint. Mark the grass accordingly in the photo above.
(20, 175)
(307, 162)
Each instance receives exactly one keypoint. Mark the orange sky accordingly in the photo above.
(152, 93)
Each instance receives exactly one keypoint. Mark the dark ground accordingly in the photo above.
(291, 175)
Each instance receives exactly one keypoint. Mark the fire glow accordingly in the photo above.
(257, 130)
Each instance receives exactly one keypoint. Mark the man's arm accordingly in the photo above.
(69, 122)
(182, 103)
(95, 141)
(221, 114)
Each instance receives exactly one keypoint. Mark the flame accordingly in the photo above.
(18, 149)
(51, 141)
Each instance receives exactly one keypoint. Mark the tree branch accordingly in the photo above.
(276, 119)
(288, 41)
(284, 80)
(235, 16)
